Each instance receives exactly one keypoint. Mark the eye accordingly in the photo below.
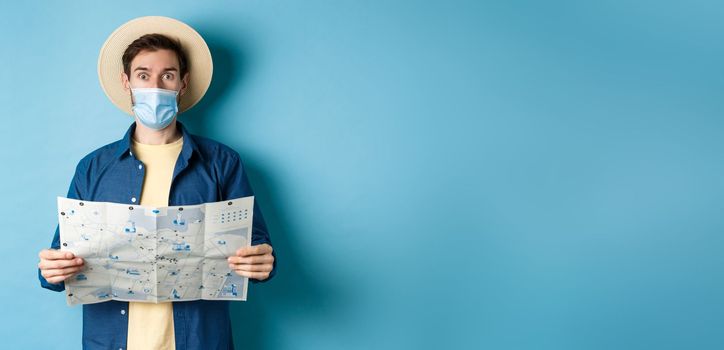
(143, 76)
(168, 76)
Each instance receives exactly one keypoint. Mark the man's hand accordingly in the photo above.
(254, 262)
(57, 266)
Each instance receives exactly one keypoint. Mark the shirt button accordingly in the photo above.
(133, 199)
(140, 166)
(123, 312)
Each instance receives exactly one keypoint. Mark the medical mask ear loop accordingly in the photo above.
(133, 103)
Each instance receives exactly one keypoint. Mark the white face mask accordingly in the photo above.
(154, 107)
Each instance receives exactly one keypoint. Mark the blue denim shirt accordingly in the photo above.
(206, 171)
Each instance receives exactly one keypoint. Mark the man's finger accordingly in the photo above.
(60, 272)
(255, 250)
(55, 254)
(58, 279)
(59, 264)
(254, 275)
(253, 259)
(251, 267)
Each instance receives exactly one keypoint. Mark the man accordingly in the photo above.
(158, 163)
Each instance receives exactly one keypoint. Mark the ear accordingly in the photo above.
(184, 84)
(126, 83)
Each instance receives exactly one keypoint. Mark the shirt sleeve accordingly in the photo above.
(74, 192)
(236, 185)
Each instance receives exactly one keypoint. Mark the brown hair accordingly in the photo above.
(154, 42)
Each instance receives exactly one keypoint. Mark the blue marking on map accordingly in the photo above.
(132, 228)
(230, 289)
(181, 247)
(176, 220)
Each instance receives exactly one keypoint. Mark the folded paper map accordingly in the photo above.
(150, 254)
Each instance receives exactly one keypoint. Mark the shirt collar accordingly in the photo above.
(189, 146)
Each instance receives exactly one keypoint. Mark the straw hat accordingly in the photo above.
(110, 65)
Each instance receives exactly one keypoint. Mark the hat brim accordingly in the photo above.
(110, 65)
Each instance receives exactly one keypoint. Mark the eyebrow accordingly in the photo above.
(168, 69)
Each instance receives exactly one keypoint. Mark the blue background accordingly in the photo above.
(449, 174)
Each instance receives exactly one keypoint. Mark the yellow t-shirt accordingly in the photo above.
(150, 326)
